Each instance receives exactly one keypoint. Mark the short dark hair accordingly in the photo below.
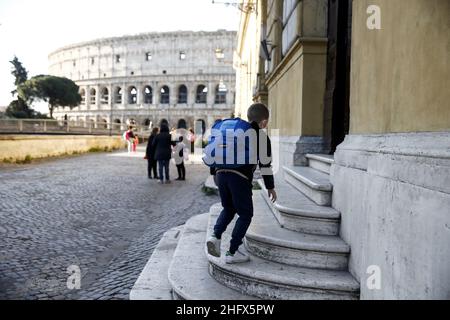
(258, 112)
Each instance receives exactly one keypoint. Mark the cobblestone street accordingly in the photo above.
(99, 212)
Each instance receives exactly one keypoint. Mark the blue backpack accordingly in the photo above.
(232, 144)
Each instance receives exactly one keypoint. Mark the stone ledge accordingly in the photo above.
(38, 147)
(312, 183)
(294, 211)
(421, 159)
(266, 239)
(153, 283)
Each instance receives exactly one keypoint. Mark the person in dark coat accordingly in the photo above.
(150, 154)
(163, 152)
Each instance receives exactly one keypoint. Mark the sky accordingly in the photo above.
(31, 29)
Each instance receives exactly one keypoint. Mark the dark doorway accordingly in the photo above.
(337, 94)
(182, 124)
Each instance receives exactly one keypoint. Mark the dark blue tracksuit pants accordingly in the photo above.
(236, 195)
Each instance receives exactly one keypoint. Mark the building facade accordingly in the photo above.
(181, 77)
(365, 83)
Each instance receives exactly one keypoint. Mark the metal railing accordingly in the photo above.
(38, 126)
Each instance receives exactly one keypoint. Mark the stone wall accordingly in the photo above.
(18, 147)
(393, 193)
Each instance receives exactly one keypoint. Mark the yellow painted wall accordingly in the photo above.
(401, 74)
(296, 91)
(17, 147)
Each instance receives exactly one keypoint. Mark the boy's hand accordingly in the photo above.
(272, 195)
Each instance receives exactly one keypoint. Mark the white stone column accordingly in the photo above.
(211, 94)
(97, 97)
(173, 94)
(192, 91)
(124, 95)
(230, 96)
(123, 124)
(140, 94)
(88, 97)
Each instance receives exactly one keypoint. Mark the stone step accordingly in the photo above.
(153, 283)
(311, 182)
(321, 162)
(270, 280)
(188, 272)
(266, 239)
(295, 211)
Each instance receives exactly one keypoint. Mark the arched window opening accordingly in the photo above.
(132, 95)
(148, 95)
(221, 94)
(182, 124)
(202, 94)
(83, 96)
(93, 98)
(118, 95)
(104, 96)
(146, 122)
(182, 94)
(165, 95)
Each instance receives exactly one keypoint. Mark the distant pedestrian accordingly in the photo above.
(135, 142)
(191, 139)
(150, 155)
(163, 152)
(129, 137)
(180, 154)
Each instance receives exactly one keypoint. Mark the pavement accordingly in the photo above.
(96, 215)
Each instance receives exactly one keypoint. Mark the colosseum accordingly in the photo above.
(181, 77)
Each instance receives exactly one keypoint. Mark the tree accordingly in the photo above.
(18, 108)
(19, 72)
(57, 91)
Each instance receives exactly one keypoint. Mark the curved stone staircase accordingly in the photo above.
(295, 249)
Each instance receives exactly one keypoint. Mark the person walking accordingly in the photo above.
(150, 155)
(163, 152)
(236, 182)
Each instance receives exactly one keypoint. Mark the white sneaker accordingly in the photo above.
(213, 245)
(237, 257)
